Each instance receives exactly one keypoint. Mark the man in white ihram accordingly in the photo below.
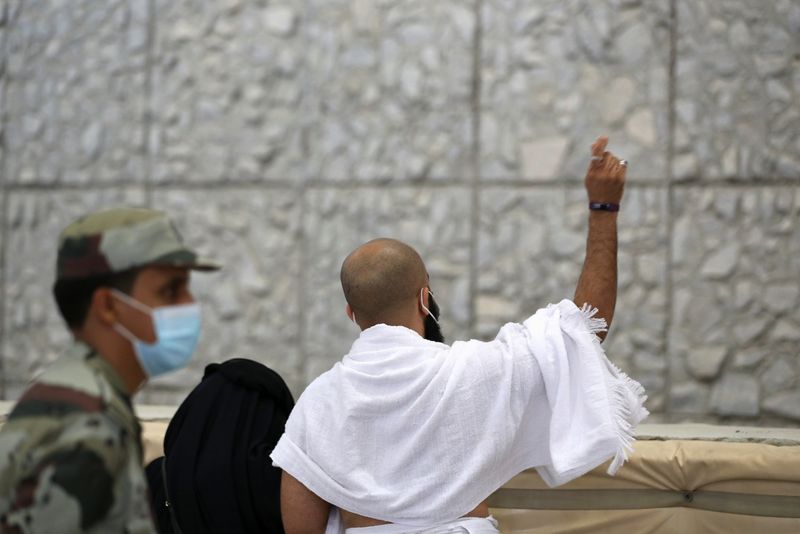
(408, 435)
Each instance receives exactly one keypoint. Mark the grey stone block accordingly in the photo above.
(5, 14)
(786, 404)
(757, 242)
(75, 104)
(721, 263)
(786, 330)
(781, 375)
(34, 333)
(736, 395)
(705, 363)
(435, 221)
(556, 74)
(688, 398)
(4, 382)
(390, 86)
(228, 87)
(736, 112)
(782, 297)
(523, 261)
(749, 358)
(720, 296)
(532, 247)
(251, 306)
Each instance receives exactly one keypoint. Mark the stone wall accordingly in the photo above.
(283, 133)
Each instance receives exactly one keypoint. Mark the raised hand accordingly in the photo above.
(605, 178)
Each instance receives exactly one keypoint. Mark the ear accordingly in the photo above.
(103, 306)
(349, 311)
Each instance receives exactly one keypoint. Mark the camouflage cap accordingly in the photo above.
(119, 239)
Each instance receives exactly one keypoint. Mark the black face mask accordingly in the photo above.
(433, 332)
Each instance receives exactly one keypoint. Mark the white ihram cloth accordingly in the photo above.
(419, 433)
(467, 525)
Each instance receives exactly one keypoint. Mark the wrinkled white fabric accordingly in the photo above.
(467, 525)
(419, 433)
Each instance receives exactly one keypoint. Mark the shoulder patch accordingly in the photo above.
(42, 400)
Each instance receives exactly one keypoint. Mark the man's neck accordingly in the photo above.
(119, 355)
(415, 325)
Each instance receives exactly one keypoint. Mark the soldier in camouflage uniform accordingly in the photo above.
(70, 452)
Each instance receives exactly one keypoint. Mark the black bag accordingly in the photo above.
(216, 475)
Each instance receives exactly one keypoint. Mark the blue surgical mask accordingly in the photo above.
(177, 330)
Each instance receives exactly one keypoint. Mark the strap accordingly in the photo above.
(713, 501)
(176, 529)
(603, 206)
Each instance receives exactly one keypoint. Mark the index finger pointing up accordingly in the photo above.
(599, 146)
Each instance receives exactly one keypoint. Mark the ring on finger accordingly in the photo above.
(623, 162)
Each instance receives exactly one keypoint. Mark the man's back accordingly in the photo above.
(414, 432)
(70, 453)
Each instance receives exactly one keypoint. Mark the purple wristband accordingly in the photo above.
(603, 206)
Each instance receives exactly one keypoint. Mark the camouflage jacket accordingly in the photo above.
(71, 454)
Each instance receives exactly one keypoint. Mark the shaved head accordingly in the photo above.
(381, 278)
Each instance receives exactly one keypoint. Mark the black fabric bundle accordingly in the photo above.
(219, 476)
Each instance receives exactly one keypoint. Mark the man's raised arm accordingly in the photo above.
(605, 181)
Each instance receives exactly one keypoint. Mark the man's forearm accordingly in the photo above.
(605, 182)
(597, 284)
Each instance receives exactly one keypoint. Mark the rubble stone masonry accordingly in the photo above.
(283, 133)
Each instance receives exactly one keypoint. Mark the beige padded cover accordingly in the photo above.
(669, 486)
(153, 439)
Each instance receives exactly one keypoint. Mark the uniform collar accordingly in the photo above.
(84, 352)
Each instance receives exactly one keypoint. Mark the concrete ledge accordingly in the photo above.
(733, 433)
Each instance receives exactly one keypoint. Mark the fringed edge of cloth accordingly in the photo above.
(622, 388)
